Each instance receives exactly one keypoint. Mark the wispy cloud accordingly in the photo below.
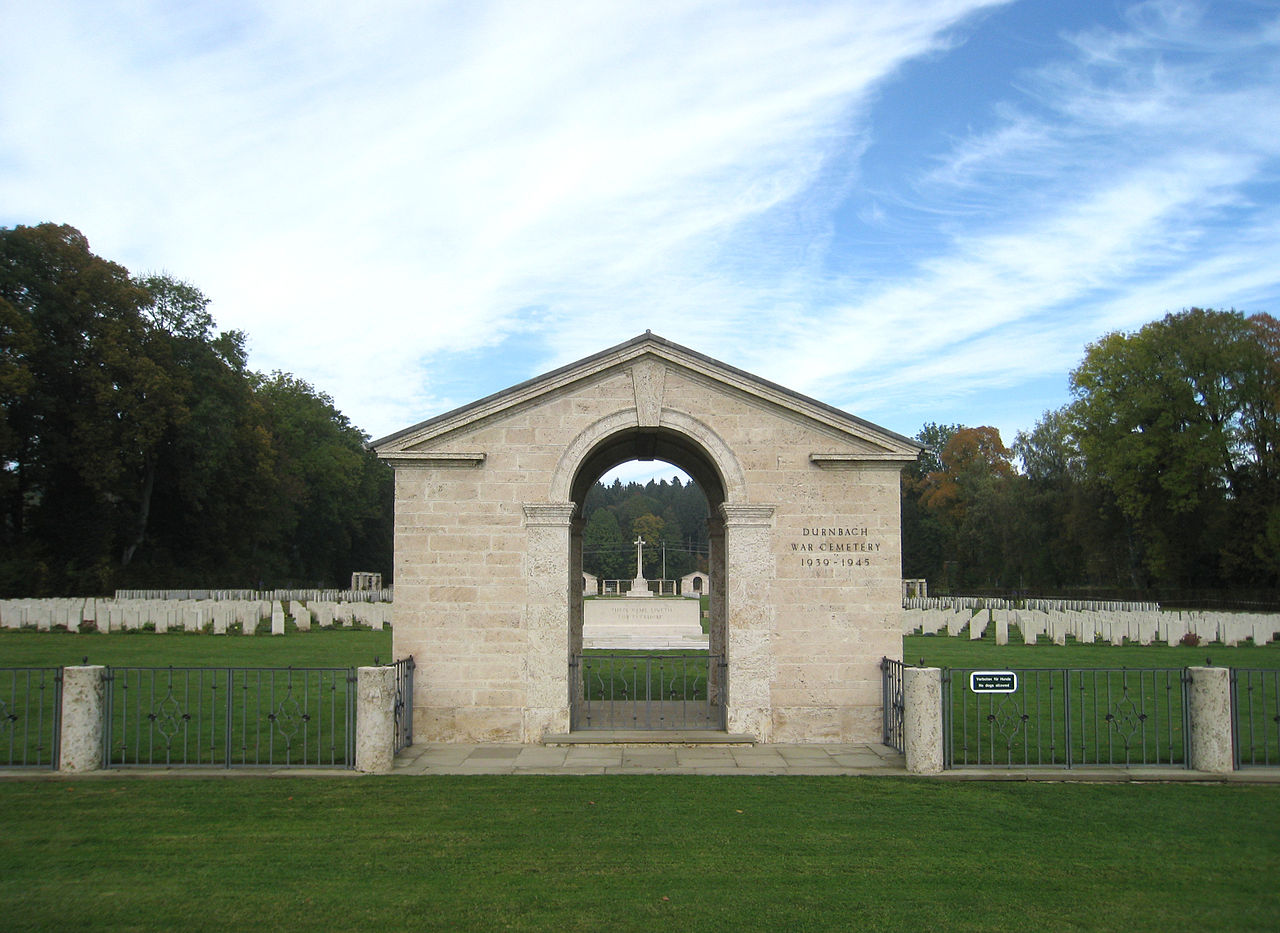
(390, 197)
(365, 188)
(1127, 178)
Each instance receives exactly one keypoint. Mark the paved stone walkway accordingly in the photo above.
(437, 758)
(852, 760)
(429, 758)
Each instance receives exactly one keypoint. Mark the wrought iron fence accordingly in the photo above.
(1255, 717)
(404, 703)
(229, 717)
(1068, 718)
(30, 716)
(892, 700)
(648, 691)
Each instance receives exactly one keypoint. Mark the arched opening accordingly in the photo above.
(669, 687)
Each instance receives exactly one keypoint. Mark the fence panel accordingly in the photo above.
(893, 703)
(30, 716)
(1255, 717)
(404, 703)
(229, 717)
(1068, 718)
(648, 691)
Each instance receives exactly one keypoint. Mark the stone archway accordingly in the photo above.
(807, 537)
(684, 450)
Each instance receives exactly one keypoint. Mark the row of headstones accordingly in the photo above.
(1116, 628)
(328, 596)
(957, 603)
(217, 616)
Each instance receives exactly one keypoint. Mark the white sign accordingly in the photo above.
(993, 681)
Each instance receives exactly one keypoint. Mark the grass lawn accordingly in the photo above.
(945, 651)
(635, 853)
(317, 648)
(624, 852)
(1145, 710)
(196, 716)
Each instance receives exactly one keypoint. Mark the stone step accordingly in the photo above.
(649, 737)
(646, 641)
(668, 630)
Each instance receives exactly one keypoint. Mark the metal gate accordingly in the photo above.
(648, 691)
(892, 701)
(229, 717)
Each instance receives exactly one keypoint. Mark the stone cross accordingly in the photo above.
(639, 543)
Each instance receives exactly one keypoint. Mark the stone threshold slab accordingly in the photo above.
(649, 737)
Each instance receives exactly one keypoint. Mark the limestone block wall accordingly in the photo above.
(810, 597)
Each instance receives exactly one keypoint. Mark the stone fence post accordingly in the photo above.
(922, 719)
(375, 719)
(83, 697)
(1209, 700)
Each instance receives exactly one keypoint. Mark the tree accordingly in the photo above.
(604, 551)
(331, 491)
(87, 402)
(1072, 532)
(1177, 422)
(927, 541)
(649, 528)
(139, 450)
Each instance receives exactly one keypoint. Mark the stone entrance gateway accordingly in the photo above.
(805, 567)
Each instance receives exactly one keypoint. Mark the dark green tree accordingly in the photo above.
(604, 552)
(137, 449)
(1176, 422)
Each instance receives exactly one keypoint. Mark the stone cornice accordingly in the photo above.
(555, 513)
(860, 461)
(740, 515)
(413, 458)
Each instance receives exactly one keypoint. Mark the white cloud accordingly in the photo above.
(364, 186)
(376, 192)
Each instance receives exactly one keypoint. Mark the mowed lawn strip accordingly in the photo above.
(635, 853)
(317, 648)
(354, 647)
(960, 652)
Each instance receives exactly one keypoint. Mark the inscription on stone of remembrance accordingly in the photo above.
(821, 546)
(630, 612)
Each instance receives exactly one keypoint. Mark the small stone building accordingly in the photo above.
(805, 563)
(695, 585)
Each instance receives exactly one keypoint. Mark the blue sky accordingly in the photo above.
(916, 211)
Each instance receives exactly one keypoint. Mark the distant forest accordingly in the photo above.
(671, 517)
(138, 450)
(1161, 478)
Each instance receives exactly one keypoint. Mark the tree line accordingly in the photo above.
(138, 450)
(1161, 475)
(670, 517)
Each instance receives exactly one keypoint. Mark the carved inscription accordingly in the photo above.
(847, 546)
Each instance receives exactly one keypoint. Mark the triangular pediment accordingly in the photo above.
(649, 357)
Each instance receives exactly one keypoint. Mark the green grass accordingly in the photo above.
(180, 715)
(944, 651)
(318, 648)
(677, 674)
(1145, 709)
(635, 853)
